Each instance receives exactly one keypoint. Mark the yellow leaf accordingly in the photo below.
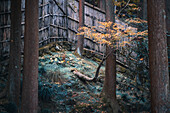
(62, 62)
(141, 59)
(81, 33)
(56, 59)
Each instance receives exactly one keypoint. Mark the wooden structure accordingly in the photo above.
(58, 21)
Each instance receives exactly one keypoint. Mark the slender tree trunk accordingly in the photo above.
(110, 76)
(158, 60)
(102, 4)
(109, 88)
(81, 23)
(15, 53)
(144, 9)
(31, 45)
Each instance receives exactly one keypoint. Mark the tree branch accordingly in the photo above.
(123, 7)
(86, 78)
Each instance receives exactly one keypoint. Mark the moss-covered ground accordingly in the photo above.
(60, 91)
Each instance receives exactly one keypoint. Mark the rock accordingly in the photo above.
(57, 48)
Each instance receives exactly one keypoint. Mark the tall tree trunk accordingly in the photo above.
(158, 58)
(31, 45)
(15, 53)
(109, 88)
(81, 24)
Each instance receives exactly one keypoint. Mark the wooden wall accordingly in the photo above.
(58, 21)
(4, 34)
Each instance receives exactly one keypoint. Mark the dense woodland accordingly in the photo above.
(84, 56)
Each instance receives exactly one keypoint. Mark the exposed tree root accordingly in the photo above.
(86, 78)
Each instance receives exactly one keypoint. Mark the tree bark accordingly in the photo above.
(109, 88)
(31, 45)
(15, 53)
(158, 58)
(80, 42)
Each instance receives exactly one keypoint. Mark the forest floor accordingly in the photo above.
(60, 91)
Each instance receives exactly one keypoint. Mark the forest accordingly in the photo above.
(84, 56)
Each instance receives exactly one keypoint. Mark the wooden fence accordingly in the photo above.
(58, 21)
